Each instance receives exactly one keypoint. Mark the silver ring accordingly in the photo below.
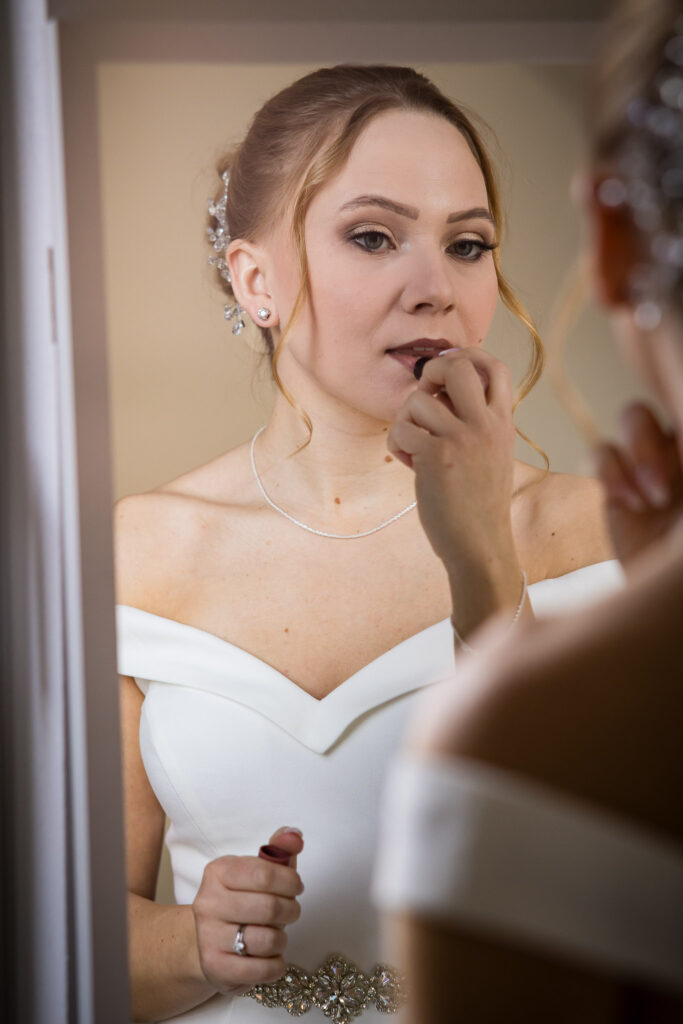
(239, 945)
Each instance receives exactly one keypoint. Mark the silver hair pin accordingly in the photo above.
(220, 239)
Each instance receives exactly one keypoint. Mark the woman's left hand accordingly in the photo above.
(456, 431)
(643, 482)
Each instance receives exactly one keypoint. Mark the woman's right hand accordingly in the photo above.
(457, 433)
(261, 897)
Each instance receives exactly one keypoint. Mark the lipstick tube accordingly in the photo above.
(274, 854)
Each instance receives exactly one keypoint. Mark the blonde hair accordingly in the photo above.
(303, 136)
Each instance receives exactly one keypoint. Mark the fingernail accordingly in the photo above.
(654, 486)
(289, 828)
(274, 854)
(419, 366)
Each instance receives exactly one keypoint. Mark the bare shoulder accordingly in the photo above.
(151, 530)
(159, 534)
(562, 519)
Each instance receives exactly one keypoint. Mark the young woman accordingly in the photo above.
(281, 606)
(534, 834)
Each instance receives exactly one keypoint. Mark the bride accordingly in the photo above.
(281, 606)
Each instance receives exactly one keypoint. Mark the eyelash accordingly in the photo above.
(481, 247)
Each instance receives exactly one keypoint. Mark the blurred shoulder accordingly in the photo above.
(562, 519)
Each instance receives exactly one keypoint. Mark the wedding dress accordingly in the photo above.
(233, 750)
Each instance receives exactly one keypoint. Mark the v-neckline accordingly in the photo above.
(167, 657)
(155, 651)
(213, 638)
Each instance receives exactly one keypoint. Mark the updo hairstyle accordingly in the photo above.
(636, 134)
(303, 136)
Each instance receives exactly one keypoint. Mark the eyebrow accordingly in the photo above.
(413, 213)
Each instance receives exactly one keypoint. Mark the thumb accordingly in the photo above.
(285, 841)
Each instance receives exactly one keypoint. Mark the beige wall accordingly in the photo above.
(183, 388)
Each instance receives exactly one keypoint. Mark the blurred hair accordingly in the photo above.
(635, 126)
(635, 135)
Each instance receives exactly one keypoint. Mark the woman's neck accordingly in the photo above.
(344, 469)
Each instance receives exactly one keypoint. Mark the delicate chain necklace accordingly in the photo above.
(311, 529)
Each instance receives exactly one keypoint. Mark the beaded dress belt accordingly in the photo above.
(337, 987)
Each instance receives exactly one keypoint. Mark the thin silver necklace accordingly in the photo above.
(304, 526)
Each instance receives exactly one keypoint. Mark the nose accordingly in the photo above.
(429, 287)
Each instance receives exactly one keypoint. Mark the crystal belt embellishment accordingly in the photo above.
(337, 987)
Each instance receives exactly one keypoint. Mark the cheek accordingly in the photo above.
(340, 294)
(482, 299)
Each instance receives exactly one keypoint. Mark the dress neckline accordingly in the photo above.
(213, 638)
(164, 655)
(159, 652)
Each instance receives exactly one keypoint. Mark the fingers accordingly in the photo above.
(644, 472)
(260, 897)
(261, 908)
(615, 477)
(405, 440)
(428, 412)
(260, 940)
(289, 839)
(472, 379)
(235, 974)
(652, 454)
(251, 874)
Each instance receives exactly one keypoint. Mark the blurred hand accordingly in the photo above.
(456, 431)
(261, 897)
(643, 482)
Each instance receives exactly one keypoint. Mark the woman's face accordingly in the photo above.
(399, 264)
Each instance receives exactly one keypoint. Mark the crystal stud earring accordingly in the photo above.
(263, 313)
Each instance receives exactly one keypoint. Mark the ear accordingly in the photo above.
(616, 246)
(248, 265)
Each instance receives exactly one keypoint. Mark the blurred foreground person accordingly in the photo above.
(532, 852)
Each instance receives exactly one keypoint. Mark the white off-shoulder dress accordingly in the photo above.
(234, 750)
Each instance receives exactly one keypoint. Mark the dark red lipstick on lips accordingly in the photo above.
(418, 351)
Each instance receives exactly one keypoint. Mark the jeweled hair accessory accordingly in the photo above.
(220, 240)
(650, 184)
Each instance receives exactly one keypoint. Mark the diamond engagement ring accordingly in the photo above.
(239, 945)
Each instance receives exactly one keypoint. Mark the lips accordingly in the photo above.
(423, 348)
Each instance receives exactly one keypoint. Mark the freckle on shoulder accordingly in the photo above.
(569, 511)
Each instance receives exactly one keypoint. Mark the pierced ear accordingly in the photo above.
(247, 264)
(616, 247)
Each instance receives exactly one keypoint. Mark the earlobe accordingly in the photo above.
(615, 249)
(247, 264)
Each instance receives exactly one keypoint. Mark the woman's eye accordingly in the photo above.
(371, 241)
(470, 248)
